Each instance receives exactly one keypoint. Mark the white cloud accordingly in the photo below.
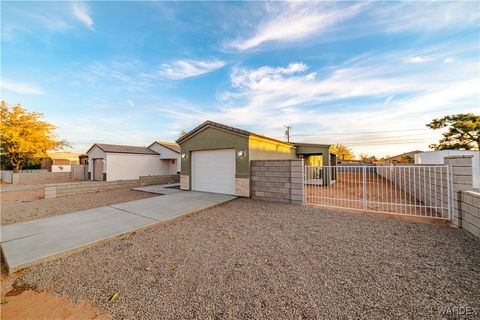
(388, 96)
(296, 21)
(23, 88)
(181, 69)
(81, 13)
(418, 59)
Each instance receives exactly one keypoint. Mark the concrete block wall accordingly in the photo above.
(277, 180)
(76, 188)
(470, 212)
(462, 180)
(34, 176)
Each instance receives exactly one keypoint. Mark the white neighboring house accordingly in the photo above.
(437, 157)
(168, 151)
(119, 162)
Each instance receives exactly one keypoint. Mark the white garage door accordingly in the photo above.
(214, 171)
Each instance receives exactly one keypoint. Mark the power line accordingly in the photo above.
(354, 132)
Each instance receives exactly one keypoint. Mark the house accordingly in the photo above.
(216, 157)
(60, 161)
(438, 157)
(407, 157)
(110, 162)
(168, 151)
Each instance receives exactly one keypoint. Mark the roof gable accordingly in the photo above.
(169, 145)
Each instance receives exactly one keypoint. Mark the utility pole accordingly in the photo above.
(287, 132)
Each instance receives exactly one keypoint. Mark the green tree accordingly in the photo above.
(24, 137)
(183, 133)
(463, 131)
(343, 152)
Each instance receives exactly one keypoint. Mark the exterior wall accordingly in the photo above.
(96, 153)
(437, 157)
(277, 180)
(75, 188)
(34, 176)
(242, 187)
(127, 166)
(166, 153)
(462, 181)
(61, 168)
(184, 182)
(212, 138)
(260, 148)
(470, 207)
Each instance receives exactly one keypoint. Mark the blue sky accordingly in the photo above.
(366, 74)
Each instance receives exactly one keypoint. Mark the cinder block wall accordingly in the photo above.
(277, 180)
(470, 208)
(34, 176)
(75, 188)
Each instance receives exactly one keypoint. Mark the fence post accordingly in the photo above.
(364, 187)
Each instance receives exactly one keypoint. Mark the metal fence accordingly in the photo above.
(423, 191)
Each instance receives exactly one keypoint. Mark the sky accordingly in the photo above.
(369, 75)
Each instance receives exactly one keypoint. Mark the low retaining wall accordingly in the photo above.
(470, 212)
(277, 180)
(33, 176)
(75, 188)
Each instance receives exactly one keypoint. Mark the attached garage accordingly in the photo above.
(214, 171)
(216, 158)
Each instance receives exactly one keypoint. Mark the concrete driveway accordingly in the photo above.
(30, 242)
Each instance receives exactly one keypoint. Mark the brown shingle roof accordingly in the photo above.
(115, 148)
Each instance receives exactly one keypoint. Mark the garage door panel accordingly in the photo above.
(214, 171)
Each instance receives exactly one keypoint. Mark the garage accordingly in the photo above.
(214, 171)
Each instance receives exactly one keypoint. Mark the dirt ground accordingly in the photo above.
(26, 303)
(249, 259)
(19, 206)
(382, 195)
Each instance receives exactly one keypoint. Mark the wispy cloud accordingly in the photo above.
(296, 21)
(372, 91)
(18, 87)
(181, 69)
(80, 12)
(418, 59)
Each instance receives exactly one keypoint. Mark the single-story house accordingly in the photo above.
(407, 157)
(110, 162)
(216, 157)
(60, 161)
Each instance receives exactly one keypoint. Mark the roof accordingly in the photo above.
(169, 145)
(224, 127)
(63, 155)
(410, 153)
(116, 148)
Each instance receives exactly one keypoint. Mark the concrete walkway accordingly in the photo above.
(27, 243)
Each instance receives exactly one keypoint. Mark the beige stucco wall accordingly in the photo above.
(260, 148)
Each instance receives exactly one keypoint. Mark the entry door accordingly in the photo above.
(98, 169)
(214, 171)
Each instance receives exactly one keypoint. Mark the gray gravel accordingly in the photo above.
(250, 259)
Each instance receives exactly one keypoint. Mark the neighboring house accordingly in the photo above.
(407, 157)
(60, 161)
(437, 157)
(216, 157)
(111, 162)
(168, 151)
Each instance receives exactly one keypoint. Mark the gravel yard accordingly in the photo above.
(19, 206)
(253, 259)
